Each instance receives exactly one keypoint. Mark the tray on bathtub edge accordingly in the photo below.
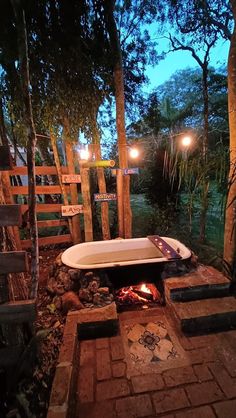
(165, 248)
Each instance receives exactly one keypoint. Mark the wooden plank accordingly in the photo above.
(54, 239)
(52, 222)
(85, 189)
(71, 210)
(18, 312)
(55, 189)
(39, 170)
(5, 158)
(10, 215)
(13, 262)
(70, 157)
(165, 248)
(44, 208)
(71, 178)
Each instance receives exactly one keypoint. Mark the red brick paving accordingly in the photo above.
(147, 383)
(175, 377)
(204, 389)
(201, 412)
(135, 406)
(169, 400)
(118, 369)
(225, 409)
(103, 364)
(202, 372)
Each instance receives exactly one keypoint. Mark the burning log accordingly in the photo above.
(143, 294)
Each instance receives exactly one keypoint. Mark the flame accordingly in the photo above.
(145, 289)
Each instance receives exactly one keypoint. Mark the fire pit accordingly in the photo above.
(142, 295)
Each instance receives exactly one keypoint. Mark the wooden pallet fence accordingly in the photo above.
(50, 208)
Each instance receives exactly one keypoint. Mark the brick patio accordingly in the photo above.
(126, 376)
(206, 388)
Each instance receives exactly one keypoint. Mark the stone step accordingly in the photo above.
(206, 315)
(204, 283)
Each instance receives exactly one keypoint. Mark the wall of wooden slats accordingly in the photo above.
(52, 208)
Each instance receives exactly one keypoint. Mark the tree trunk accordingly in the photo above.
(31, 140)
(120, 111)
(230, 214)
(205, 185)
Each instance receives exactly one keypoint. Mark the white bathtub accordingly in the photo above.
(119, 252)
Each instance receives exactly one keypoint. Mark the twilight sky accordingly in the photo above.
(181, 59)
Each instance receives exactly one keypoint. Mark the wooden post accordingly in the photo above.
(85, 189)
(73, 192)
(120, 204)
(58, 167)
(102, 189)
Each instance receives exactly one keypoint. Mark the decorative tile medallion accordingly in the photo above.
(151, 344)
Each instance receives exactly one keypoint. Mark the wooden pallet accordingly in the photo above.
(20, 311)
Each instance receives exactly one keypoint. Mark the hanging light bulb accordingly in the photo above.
(84, 154)
(134, 153)
(186, 141)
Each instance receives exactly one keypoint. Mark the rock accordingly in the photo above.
(89, 276)
(51, 285)
(97, 299)
(51, 270)
(74, 274)
(104, 290)
(63, 278)
(84, 294)
(93, 286)
(71, 302)
(58, 261)
(57, 302)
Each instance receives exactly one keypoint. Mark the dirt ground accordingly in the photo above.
(30, 394)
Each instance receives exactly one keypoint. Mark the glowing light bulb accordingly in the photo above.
(133, 152)
(84, 154)
(186, 141)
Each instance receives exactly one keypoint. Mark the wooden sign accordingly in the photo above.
(104, 197)
(126, 171)
(97, 163)
(71, 210)
(134, 170)
(71, 178)
(5, 158)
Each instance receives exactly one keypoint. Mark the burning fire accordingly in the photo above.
(145, 289)
(143, 293)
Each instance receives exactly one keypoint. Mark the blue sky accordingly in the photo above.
(181, 59)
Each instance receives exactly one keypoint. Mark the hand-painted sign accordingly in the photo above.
(126, 171)
(71, 210)
(134, 170)
(71, 178)
(104, 197)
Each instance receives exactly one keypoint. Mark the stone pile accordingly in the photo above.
(74, 289)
